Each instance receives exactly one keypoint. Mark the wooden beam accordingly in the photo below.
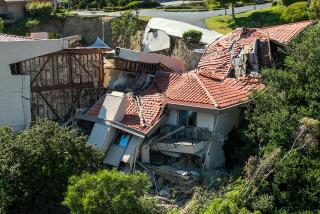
(49, 105)
(41, 69)
(83, 67)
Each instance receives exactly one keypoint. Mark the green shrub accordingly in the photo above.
(315, 9)
(1, 25)
(142, 4)
(117, 8)
(192, 36)
(108, 192)
(296, 12)
(30, 22)
(53, 35)
(39, 9)
(288, 2)
(37, 163)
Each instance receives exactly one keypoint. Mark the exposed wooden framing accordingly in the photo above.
(64, 81)
(41, 69)
(46, 101)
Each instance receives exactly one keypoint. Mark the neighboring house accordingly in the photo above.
(12, 10)
(183, 119)
(37, 82)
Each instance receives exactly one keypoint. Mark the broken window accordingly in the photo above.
(187, 118)
(15, 68)
(122, 139)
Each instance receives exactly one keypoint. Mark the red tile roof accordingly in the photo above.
(284, 33)
(144, 110)
(216, 60)
(197, 90)
(13, 38)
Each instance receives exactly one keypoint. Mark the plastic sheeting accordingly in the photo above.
(157, 32)
(99, 44)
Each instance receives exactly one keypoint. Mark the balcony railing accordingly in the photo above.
(173, 134)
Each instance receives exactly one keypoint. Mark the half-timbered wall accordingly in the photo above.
(64, 81)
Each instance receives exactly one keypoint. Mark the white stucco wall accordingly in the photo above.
(102, 136)
(15, 89)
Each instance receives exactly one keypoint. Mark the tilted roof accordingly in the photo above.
(216, 60)
(286, 32)
(209, 85)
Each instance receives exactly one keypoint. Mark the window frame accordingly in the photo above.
(189, 114)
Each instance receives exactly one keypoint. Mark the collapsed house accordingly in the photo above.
(46, 79)
(169, 120)
(154, 114)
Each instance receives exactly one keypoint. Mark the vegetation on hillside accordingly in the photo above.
(124, 27)
(255, 18)
(295, 12)
(283, 175)
(109, 191)
(36, 164)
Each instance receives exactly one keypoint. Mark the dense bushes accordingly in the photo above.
(1, 25)
(116, 5)
(37, 163)
(192, 36)
(288, 2)
(315, 9)
(295, 12)
(283, 119)
(108, 192)
(39, 9)
(124, 27)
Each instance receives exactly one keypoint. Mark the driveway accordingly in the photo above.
(194, 18)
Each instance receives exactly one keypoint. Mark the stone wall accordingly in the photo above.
(87, 27)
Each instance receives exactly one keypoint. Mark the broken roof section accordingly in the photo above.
(214, 85)
(219, 58)
(174, 64)
(157, 32)
(286, 32)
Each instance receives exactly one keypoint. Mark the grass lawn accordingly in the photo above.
(250, 19)
(145, 18)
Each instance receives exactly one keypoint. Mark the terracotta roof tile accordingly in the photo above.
(284, 33)
(216, 60)
(143, 116)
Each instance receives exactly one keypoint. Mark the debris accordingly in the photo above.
(164, 193)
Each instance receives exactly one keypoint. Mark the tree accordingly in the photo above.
(124, 27)
(292, 93)
(108, 192)
(37, 163)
